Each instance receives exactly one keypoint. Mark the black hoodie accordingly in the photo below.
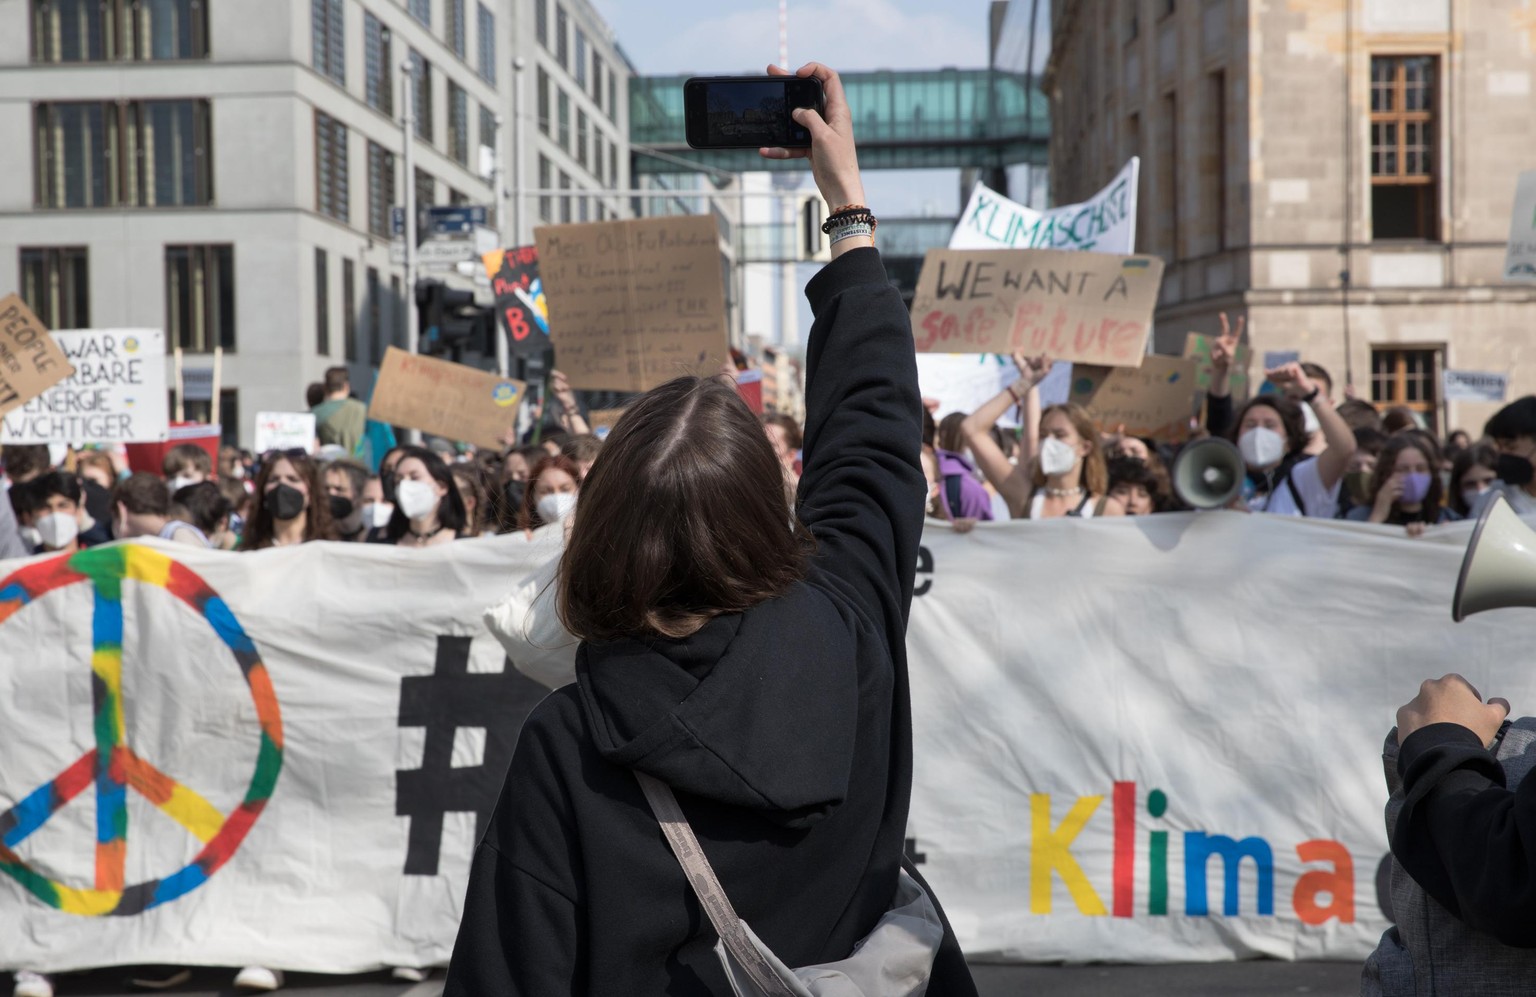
(784, 730)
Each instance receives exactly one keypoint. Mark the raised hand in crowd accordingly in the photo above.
(1224, 354)
(1340, 439)
(833, 156)
(570, 415)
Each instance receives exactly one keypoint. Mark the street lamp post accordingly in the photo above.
(518, 147)
(407, 132)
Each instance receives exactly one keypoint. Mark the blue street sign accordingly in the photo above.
(459, 219)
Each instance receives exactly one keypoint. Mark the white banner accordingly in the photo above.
(117, 393)
(1105, 223)
(1475, 386)
(1520, 262)
(1152, 739)
(285, 431)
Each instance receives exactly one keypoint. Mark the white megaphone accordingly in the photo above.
(1499, 570)
(1208, 474)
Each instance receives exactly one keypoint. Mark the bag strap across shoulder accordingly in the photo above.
(706, 886)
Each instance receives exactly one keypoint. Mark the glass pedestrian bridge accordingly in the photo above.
(927, 119)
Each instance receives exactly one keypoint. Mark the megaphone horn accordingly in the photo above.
(1208, 474)
(1499, 570)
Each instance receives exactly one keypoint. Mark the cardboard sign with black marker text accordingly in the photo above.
(1154, 400)
(444, 398)
(30, 361)
(633, 304)
(1093, 308)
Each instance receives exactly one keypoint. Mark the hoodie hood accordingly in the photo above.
(954, 463)
(738, 713)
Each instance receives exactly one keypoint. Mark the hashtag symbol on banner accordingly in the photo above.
(442, 702)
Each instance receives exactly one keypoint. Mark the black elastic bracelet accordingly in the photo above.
(1309, 399)
(862, 215)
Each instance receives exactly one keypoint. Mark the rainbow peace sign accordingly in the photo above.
(112, 766)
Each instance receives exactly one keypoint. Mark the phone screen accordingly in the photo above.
(746, 113)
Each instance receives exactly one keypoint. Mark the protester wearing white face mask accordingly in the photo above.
(1271, 434)
(1061, 470)
(428, 507)
(551, 494)
(50, 509)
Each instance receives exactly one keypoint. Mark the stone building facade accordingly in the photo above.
(1339, 172)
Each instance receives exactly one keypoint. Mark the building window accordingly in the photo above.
(543, 101)
(397, 310)
(421, 84)
(1404, 179)
(375, 305)
(597, 80)
(130, 154)
(421, 10)
(426, 189)
(581, 139)
(564, 135)
(1407, 378)
(541, 21)
(597, 154)
(322, 304)
(458, 31)
(485, 39)
(488, 129)
(379, 87)
(55, 284)
(562, 45)
(381, 189)
(565, 199)
(613, 166)
(328, 37)
(457, 198)
(200, 297)
(332, 194)
(201, 410)
(613, 99)
(108, 30)
(544, 184)
(583, 208)
(349, 310)
(458, 124)
(581, 59)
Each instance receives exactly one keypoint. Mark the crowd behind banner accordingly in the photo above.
(1310, 449)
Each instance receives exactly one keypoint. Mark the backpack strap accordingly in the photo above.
(952, 494)
(701, 876)
(1290, 484)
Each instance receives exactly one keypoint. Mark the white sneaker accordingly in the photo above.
(258, 978)
(30, 984)
(409, 974)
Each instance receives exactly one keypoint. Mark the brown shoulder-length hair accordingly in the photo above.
(1095, 469)
(528, 517)
(1429, 511)
(682, 519)
(317, 511)
(1291, 418)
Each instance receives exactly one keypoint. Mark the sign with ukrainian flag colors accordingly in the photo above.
(116, 394)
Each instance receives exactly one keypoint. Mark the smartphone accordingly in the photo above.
(748, 112)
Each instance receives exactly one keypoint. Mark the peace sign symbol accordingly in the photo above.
(112, 766)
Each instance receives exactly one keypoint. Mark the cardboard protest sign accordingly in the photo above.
(603, 420)
(1105, 223)
(285, 431)
(1090, 308)
(1154, 400)
(30, 361)
(633, 304)
(1520, 262)
(521, 308)
(116, 393)
(444, 398)
(1198, 349)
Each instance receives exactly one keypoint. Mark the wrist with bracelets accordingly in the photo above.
(850, 221)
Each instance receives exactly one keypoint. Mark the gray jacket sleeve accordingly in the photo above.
(10, 533)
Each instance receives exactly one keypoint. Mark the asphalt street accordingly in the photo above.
(1245, 979)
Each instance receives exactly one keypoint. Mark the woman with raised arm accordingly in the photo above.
(757, 666)
(1060, 470)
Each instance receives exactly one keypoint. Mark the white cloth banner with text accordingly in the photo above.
(1139, 740)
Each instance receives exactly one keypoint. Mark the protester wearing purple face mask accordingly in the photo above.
(1405, 490)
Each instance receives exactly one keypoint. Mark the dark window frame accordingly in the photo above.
(378, 65)
(122, 33)
(349, 309)
(64, 302)
(485, 42)
(458, 124)
(322, 302)
(333, 190)
(328, 39)
(382, 190)
(125, 183)
(1405, 174)
(212, 315)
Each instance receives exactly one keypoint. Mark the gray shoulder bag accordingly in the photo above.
(893, 960)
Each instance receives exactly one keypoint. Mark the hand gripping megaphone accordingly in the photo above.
(1208, 474)
(1499, 570)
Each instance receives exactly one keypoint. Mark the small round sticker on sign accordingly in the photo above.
(504, 394)
(131, 345)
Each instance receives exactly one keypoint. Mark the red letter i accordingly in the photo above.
(1125, 848)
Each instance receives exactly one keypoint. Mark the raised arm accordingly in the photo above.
(1331, 463)
(570, 411)
(1014, 484)
(1218, 400)
(862, 488)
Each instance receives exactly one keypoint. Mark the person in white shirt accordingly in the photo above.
(1271, 433)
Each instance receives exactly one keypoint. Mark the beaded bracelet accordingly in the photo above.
(854, 213)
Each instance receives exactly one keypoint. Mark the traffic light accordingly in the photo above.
(813, 244)
(446, 317)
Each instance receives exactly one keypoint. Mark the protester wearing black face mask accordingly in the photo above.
(344, 484)
(1513, 431)
(288, 509)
